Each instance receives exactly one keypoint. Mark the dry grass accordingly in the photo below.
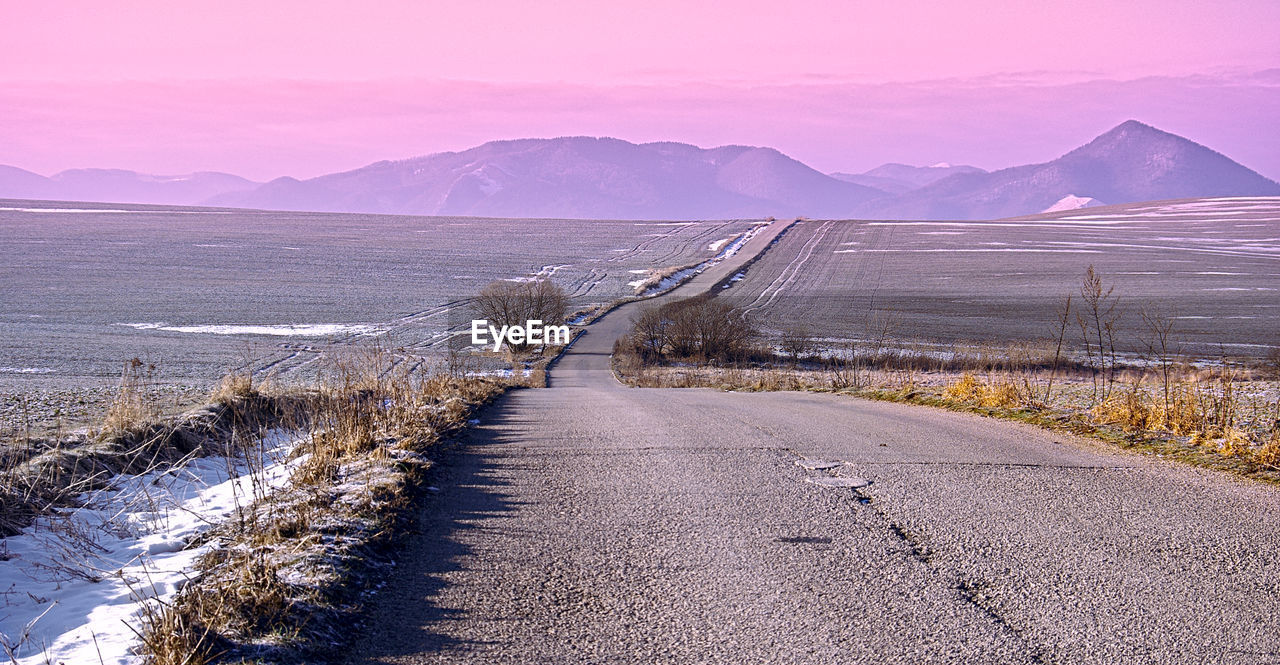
(1220, 418)
(1268, 454)
(1206, 408)
(990, 393)
(288, 570)
(133, 440)
(288, 566)
(233, 387)
(130, 409)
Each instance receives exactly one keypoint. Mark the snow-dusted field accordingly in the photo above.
(73, 585)
(1212, 265)
(198, 291)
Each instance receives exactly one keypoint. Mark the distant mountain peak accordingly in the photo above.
(576, 177)
(1131, 131)
(1132, 125)
(1130, 162)
(894, 178)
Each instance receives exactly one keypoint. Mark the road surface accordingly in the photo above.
(594, 523)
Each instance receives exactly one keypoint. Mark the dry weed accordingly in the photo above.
(233, 387)
(131, 409)
(1269, 453)
(991, 394)
(368, 423)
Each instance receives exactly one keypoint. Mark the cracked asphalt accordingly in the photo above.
(594, 523)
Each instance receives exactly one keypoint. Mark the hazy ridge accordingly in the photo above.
(606, 178)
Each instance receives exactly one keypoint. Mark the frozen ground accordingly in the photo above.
(1211, 265)
(201, 291)
(73, 585)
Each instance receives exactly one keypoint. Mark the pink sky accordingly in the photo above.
(303, 88)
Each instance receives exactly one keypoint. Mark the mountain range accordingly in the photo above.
(582, 177)
(120, 186)
(1132, 162)
(900, 178)
(576, 177)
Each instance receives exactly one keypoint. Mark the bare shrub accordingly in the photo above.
(699, 329)
(1060, 337)
(797, 341)
(506, 303)
(650, 333)
(1098, 320)
(1160, 347)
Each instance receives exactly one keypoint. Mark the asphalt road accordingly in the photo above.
(594, 523)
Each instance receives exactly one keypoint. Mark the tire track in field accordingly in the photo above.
(675, 242)
(788, 274)
(644, 244)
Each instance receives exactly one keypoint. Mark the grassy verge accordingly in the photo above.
(282, 578)
(287, 575)
(1211, 421)
(40, 476)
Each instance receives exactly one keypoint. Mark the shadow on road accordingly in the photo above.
(404, 618)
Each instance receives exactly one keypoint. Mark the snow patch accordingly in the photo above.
(81, 576)
(125, 212)
(288, 330)
(678, 278)
(1073, 202)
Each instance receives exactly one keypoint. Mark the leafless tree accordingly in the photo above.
(1064, 315)
(797, 340)
(649, 333)
(1159, 343)
(506, 303)
(1097, 324)
(699, 328)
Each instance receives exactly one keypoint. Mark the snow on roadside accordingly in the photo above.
(77, 579)
(678, 278)
(670, 281)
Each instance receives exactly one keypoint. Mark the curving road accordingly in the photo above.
(594, 523)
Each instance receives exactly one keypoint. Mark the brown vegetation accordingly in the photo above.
(654, 277)
(289, 567)
(505, 303)
(133, 439)
(1220, 416)
(699, 329)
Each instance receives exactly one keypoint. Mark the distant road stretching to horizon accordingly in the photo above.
(590, 522)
